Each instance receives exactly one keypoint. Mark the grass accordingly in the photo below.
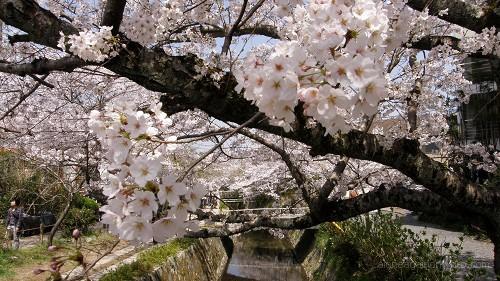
(148, 260)
(19, 264)
(12, 259)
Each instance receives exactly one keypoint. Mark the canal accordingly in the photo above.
(260, 256)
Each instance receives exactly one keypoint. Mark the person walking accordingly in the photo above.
(13, 222)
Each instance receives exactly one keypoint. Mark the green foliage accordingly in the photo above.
(37, 189)
(262, 201)
(377, 247)
(85, 202)
(223, 206)
(83, 214)
(159, 254)
(131, 271)
(148, 260)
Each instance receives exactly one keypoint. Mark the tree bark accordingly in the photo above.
(462, 13)
(497, 258)
(494, 235)
(63, 214)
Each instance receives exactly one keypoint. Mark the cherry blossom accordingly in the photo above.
(194, 196)
(144, 204)
(136, 228)
(170, 190)
(144, 169)
(166, 228)
(336, 64)
(89, 45)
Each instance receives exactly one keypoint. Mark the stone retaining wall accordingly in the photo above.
(204, 261)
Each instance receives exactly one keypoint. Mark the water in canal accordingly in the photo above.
(260, 256)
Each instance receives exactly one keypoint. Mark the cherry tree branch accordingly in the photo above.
(205, 134)
(333, 180)
(462, 13)
(395, 196)
(229, 36)
(412, 99)
(175, 76)
(42, 26)
(251, 13)
(263, 29)
(42, 81)
(43, 66)
(193, 137)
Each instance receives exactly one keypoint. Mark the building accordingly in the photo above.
(479, 119)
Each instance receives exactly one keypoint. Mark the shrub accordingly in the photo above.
(377, 247)
(38, 190)
(83, 214)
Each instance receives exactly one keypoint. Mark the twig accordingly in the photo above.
(42, 81)
(299, 177)
(250, 121)
(251, 12)
(89, 267)
(194, 6)
(24, 97)
(229, 35)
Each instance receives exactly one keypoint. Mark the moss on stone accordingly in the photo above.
(148, 260)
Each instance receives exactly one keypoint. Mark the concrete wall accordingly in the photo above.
(310, 255)
(204, 261)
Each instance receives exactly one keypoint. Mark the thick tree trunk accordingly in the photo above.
(59, 220)
(493, 229)
(497, 257)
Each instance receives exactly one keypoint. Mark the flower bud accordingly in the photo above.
(76, 233)
(54, 266)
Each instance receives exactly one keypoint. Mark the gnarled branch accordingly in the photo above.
(395, 196)
(42, 66)
(462, 13)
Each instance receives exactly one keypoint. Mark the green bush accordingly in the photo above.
(377, 247)
(82, 215)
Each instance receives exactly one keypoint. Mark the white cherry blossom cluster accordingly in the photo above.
(90, 45)
(285, 7)
(158, 20)
(488, 41)
(331, 63)
(478, 155)
(143, 202)
(140, 27)
(169, 16)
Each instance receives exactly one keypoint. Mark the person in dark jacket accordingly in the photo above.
(13, 222)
